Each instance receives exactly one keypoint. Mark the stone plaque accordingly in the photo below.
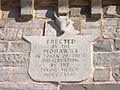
(64, 58)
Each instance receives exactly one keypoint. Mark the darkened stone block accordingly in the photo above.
(104, 46)
(116, 73)
(91, 87)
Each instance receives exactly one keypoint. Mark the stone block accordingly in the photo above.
(111, 22)
(19, 74)
(19, 47)
(2, 24)
(101, 74)
(117, 44)
(104, 46)
(111, 27)
(4, 74)
(3, 47)
(96, 6)
(28, 86)
(26, 25)
(63, 6)
(45, 13)
(10, 34)
(75, 12)
(33, 32)
(116, 73)
(26, 7)
(91, 87)
(90, 28)
(106, 59)
(14, 60)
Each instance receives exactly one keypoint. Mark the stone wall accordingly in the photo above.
(15, 51)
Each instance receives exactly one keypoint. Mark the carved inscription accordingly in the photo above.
(60, 59)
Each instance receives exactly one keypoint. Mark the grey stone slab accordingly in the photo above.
(102, 74)
(19, 47)
(91, 87)
(10, 34)
(64, 58)
(35, 24)
(19, 74)
(3, 47)
(33, 32)
(14, 60)
(4, 74)
(26, 7)
(28, 86)
(106, 59)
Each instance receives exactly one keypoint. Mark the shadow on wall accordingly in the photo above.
(118, 10)
(11, 8)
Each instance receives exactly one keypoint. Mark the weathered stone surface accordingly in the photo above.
(26, 25)
(112, 11)
(26, 7)
(106, 59)
(60, 58)
(29, 86)
(33, 32)
(63, 6)
(116, 73)
(90, 28)
(19, 74)
(10, 34)
(101, 74)
(14, 60)
(96, 6)
(111, 27)
(75, 12)
(4, 74)
(117, 44)
(19, 47)
(3, 47)
(91, 87)
(104, 46)
(2, 24)
(45, 13)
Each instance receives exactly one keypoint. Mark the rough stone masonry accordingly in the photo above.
(19, 18)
